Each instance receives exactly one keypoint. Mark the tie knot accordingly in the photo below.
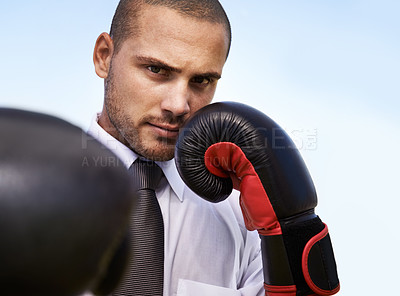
(146, 174)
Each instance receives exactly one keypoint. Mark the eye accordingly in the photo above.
(201, 80)
(157, 70)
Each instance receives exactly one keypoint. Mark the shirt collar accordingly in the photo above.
(127, 156)
(172, 175)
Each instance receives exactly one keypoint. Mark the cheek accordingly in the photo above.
(201, 101)
(136, 93)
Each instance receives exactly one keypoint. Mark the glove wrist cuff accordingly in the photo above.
(318, 265)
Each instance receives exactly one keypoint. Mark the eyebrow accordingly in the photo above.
(158, 63)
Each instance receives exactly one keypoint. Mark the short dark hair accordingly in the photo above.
(123, 24)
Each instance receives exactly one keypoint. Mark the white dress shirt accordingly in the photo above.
(208, 250)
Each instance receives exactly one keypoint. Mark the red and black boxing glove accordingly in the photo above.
(230, 143)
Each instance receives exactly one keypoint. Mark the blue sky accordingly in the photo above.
(327, 71)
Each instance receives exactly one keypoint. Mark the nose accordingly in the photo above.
(176, 100)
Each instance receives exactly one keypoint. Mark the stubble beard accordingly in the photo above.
(130, 135)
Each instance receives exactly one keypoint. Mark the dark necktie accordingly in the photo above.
(145, 272)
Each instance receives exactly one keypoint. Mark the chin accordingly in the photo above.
(156, 149)
(158, 154)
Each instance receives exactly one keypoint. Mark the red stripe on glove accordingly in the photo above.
(223, 158)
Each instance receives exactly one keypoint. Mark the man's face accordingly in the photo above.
(160, 77)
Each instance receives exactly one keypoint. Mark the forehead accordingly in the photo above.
(171, 33)
(157, 14)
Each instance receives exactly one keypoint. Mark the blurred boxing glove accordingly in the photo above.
(64, 208)
(227, 144)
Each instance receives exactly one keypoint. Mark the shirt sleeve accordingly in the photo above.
(251, 282)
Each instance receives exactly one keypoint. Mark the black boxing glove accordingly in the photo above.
(226, 145)
(64, 208)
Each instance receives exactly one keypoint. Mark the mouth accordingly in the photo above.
(165, 130)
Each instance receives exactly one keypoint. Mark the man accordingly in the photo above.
(161, 63)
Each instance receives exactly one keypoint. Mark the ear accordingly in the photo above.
(102, 54)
